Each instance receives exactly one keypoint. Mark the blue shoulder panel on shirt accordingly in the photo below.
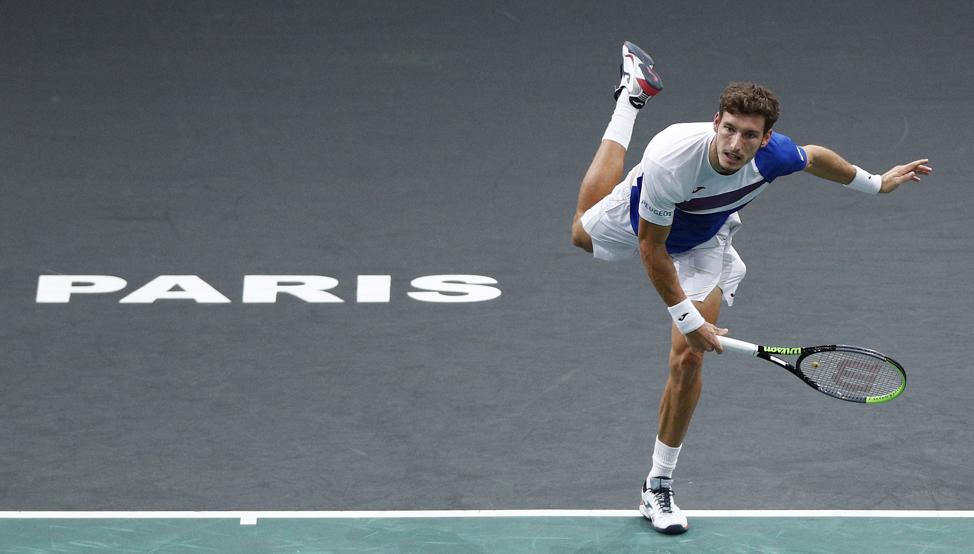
(780, 157)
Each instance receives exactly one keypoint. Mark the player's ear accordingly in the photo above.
(716, 120)
(766, 139)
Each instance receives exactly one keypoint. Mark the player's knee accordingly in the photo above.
(580, 238)
(686, 364)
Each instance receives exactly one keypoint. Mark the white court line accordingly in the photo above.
(250, 518)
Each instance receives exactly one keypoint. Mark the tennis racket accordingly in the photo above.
(844, 372)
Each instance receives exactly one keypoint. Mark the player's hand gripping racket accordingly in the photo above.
(845, 372)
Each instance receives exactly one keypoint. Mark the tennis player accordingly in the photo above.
(677, 209)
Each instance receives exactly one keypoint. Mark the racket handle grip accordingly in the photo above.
(739, 346)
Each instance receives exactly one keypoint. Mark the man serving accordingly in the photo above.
(677, 209)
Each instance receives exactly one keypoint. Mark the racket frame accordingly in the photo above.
(769, 353)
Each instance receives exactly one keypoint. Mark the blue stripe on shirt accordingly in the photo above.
(687, 230)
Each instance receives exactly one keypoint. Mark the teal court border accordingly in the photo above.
(486, 531)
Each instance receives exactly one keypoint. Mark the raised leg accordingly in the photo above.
(638, 84)
(604, 173)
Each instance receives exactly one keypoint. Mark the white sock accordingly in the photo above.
(623, 119)
(664, 460)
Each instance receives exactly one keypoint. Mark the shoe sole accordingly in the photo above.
(641, 54)
(647, 61)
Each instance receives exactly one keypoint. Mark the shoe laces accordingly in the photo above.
(664, 498)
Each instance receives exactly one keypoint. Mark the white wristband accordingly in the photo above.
(865, 182)
(686, 317)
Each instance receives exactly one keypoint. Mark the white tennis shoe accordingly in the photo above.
(657, 505)
(639, 79)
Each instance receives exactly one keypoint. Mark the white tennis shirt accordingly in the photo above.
(680, 189)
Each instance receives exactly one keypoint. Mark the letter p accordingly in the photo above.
(57, 289)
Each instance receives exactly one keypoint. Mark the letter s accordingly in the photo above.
(466, 288)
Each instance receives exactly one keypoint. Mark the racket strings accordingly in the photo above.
(852, 373)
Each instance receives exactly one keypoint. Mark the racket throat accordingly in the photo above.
(776, 360)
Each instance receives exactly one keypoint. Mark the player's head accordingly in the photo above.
(743, 124)
(750, 99)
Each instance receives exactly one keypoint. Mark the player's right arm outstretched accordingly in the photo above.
(663, 275)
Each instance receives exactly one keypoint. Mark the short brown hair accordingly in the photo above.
(750, 99)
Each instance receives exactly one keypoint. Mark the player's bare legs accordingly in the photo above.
(684, 383)
(639, 83)
(675, 410)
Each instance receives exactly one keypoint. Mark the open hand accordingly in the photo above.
(900, 174)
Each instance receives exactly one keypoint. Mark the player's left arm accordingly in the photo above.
(826, 164)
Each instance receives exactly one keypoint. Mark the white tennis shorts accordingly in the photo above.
(712, 264)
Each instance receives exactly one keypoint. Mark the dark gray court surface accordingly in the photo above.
(342, 139)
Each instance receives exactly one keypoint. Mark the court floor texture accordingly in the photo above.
(314, 258)
(510, 531)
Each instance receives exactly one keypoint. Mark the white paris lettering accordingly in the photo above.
(266, 289)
